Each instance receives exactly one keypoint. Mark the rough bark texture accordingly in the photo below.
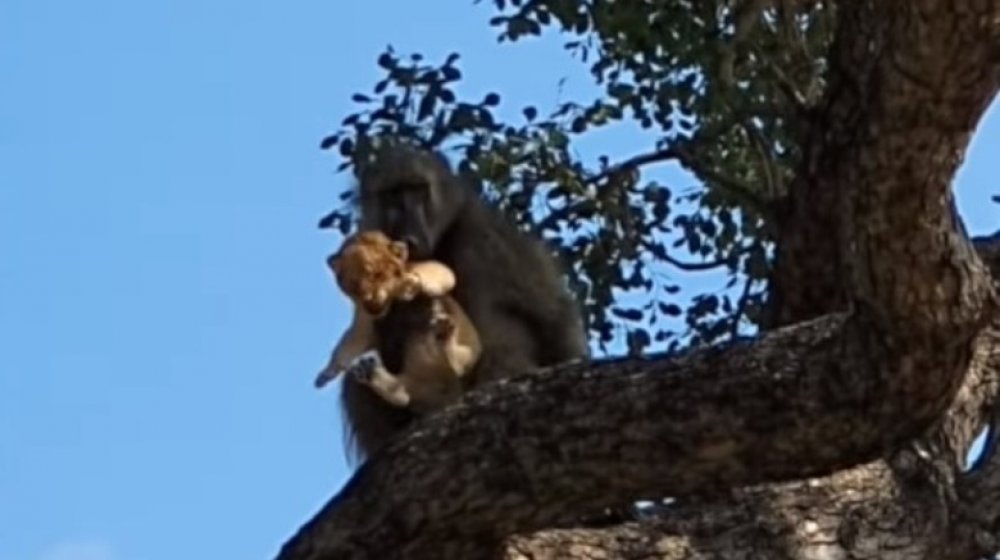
(989, 251)
(768, 523)
(917, 504)
(902, 365)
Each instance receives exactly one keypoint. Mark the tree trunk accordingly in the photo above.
(887, 371)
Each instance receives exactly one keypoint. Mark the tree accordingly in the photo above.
(827, 135)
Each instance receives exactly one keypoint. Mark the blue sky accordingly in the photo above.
(163, 300)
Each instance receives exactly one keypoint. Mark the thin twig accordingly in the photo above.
(746, 18)
(787, 86)
(661, 254)
(552, 220)
(775, 184)
(740, 192)
(736, 189)
(694, 267)
(741, 306)
(634, 163)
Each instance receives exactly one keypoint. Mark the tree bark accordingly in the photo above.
(917, 504)
(907, 85)
(765, 523)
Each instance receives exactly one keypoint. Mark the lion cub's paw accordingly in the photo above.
(442, 326)
(410, 287)
(363, 368)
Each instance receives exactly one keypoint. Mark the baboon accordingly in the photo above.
(507, 281)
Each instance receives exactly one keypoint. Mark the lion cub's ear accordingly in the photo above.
(335, 265)
(398, 248)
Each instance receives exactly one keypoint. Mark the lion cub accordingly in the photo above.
(440, 343)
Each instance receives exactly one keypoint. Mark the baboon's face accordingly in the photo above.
(405, 212)
(413, 197)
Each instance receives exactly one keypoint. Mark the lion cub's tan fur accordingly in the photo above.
(372, 270)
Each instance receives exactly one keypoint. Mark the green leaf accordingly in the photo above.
(426, 107)
(346, 147)
(627, 314)
(637, 341)
(386, 60)
(326, 221)
(329, 142)
(486, 119)
(670, 309)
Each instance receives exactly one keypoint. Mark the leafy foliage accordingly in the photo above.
(722, 85)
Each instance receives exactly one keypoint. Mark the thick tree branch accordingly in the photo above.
(977, 517)
(906, 508)
(859, 514)
(886, 151)
(895, 138)
(980, 510)
(532, 452)
(988, 248)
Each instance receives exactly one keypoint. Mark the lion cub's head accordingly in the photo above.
(371, 269)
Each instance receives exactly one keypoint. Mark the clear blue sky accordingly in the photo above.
(163, 301)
